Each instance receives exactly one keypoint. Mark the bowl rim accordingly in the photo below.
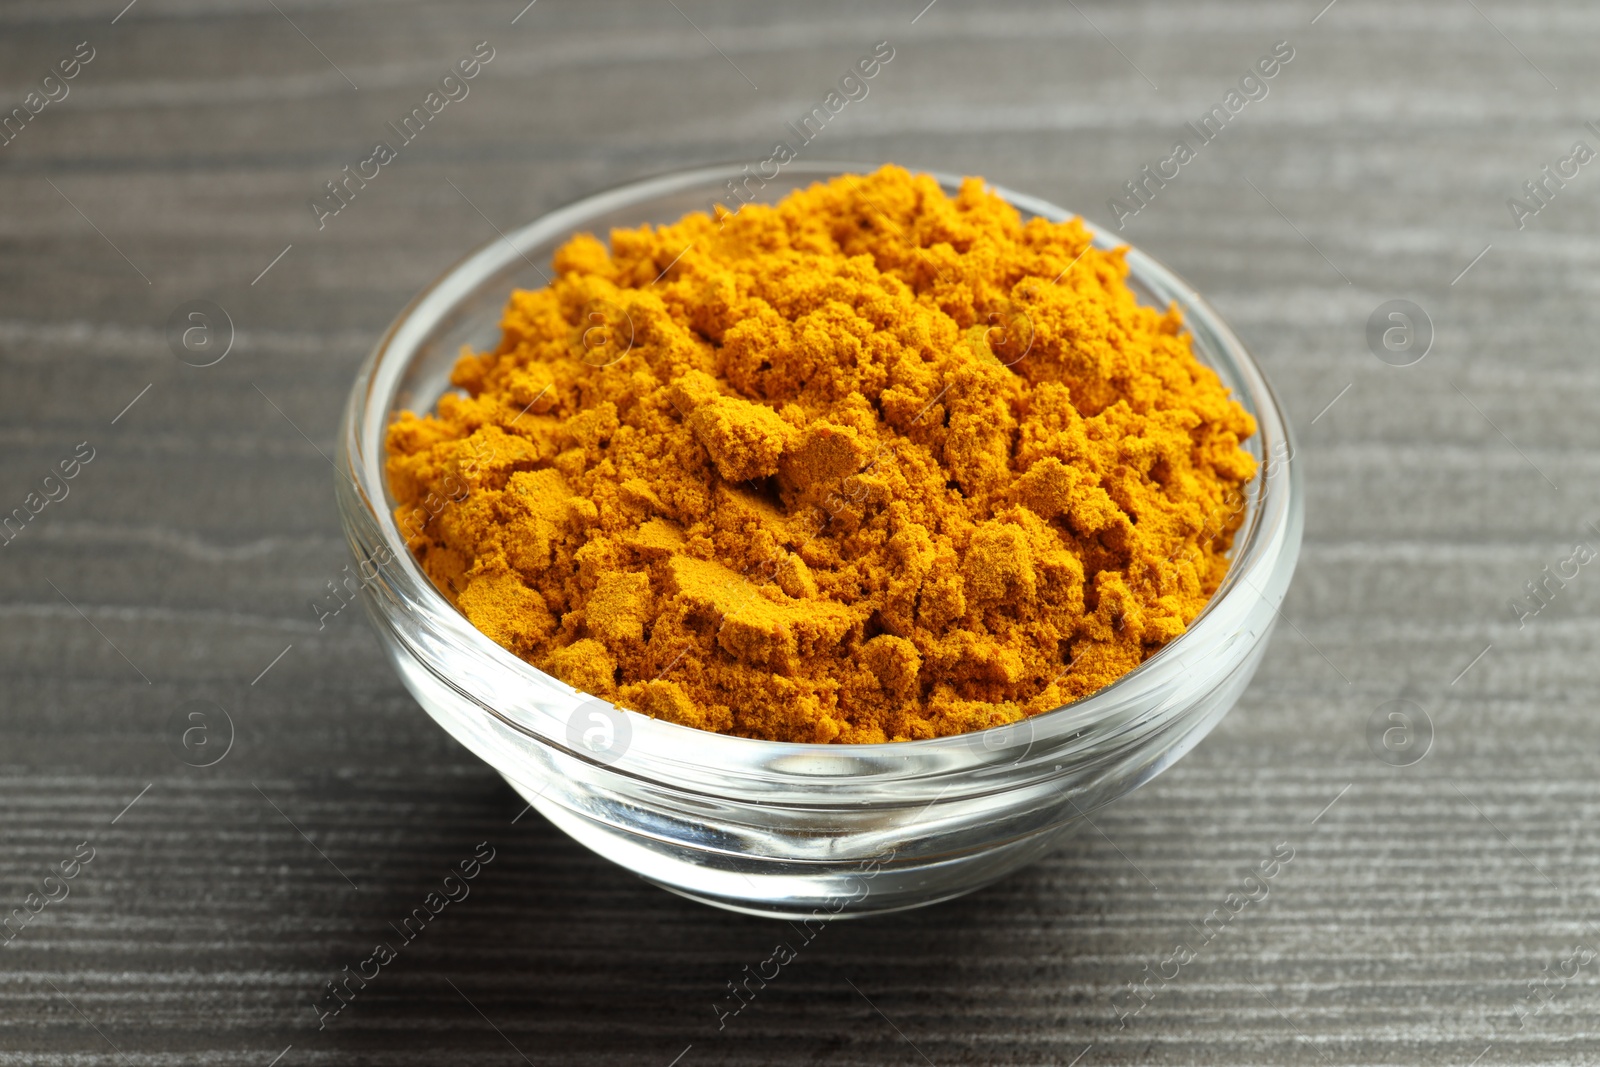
(1271, 500)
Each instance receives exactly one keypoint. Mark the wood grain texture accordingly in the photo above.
(1417, 908)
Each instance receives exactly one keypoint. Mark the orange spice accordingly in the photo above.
(873, 463)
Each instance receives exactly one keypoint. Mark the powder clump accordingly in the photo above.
(873, 463)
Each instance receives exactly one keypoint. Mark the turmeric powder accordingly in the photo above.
(873, 463)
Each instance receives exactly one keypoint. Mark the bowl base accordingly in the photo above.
(790, 914)
(798, 892)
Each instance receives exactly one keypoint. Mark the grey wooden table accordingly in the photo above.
(1434, 912)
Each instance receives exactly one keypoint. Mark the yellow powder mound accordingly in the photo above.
(870, 464)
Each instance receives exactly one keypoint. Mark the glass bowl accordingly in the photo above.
(799, 831)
